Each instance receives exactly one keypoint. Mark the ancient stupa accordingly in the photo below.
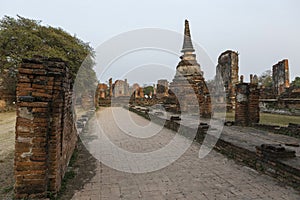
(189, 75)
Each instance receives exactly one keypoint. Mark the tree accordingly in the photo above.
(266, 79)
(148, 90)
(296, 82)
(23, 38)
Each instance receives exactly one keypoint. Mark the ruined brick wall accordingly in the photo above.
(253, 105)
(162, 88)
(288, 102)
(267, 93)
(102, 90)
(290, 99)
(281, 77)
(186, 88)
(228, 68)
(247, 104)
(242, 100)
(101, 94)
(120, 88)
(45, 131)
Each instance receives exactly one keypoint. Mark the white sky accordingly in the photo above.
(263, 32)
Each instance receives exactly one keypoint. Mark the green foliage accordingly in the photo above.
(266, 79)
(296, 82)
(23, 38)
(148, 90)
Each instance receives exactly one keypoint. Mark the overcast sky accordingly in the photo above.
(263, 32)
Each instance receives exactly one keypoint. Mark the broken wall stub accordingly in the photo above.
(247, 104)
(101, 93)
(281, 77)
(120, 88)
(45, 131)
(162, 88)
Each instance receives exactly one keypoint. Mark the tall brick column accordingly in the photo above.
(45, 131)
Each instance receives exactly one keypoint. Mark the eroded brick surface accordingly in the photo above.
(45, 131)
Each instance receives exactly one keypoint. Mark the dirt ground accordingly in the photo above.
(82, 169)
(7, 138)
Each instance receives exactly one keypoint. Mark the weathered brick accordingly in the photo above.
(39, 161)
(34, 104)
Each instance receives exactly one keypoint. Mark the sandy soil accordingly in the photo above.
(7, 138)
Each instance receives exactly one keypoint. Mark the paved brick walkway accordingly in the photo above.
(214, 177)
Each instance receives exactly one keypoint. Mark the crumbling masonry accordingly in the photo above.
(281, 77)
(228, 69)
(247, 103)
(189, 81)
(45, 132)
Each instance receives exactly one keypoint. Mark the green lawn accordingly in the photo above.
(272, 119)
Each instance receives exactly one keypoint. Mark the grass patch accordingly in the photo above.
(73, 157)
(276, 119)
(271, 119)
(69, 175)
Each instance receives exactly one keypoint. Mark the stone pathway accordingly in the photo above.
(214, 177)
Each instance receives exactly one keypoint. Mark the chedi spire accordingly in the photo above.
(187, 42)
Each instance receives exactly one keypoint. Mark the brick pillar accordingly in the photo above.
(44, 124)
(253, 106)
(110, 88)
(247, 103)
(242, 101)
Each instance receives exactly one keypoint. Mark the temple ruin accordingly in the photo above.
(120, 88)
(189, 75)
(162, 88)
(177, 96)
(228, 70)
(247, 102)
(281, 77)
(281, 96)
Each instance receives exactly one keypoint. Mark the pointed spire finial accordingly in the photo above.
(187, 42)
